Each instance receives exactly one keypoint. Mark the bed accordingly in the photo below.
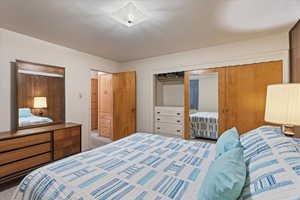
(204, 125)
(26, 118)
(151, 167)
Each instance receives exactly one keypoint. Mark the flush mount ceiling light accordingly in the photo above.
(129, 15)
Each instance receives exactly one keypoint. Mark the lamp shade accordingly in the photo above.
(283, 104)
(40, 102)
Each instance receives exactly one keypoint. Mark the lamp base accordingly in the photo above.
(288, 130)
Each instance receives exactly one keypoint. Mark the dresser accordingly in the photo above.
(169, 120)
(28, 149)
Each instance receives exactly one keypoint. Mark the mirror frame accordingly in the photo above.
(30, 66)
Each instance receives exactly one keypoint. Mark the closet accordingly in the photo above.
(241, 94)
(169, 101)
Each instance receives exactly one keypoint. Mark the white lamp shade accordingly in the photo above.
(40, 102)
(283, 104)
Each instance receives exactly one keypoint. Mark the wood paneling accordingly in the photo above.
(94, 104)
(34, 85)
(24, 164)
(6, 145)
(221, 96)
(67, 142)
(105, 105)
(30, 86)
(124, 104)
(295, 60)
(246, 91)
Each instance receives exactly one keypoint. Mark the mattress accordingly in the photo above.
(33, 120)
(145, 166)
(204, 125)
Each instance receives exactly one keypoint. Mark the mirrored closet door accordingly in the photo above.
(221, 98)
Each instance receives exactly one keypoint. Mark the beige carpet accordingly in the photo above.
(7, 193)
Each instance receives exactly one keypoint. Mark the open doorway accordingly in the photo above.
(100, 127)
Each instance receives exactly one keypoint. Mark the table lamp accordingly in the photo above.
(40, 103)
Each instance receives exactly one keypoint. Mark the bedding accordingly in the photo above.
(33, 120)
(145, 166)
(204, 125)
(273, 165)
(139, 167)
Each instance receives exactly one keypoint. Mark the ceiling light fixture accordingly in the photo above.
(129, 15)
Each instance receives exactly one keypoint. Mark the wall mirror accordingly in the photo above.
(204, 105)
(40, 94)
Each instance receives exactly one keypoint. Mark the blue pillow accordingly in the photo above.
(228, 140)
(24, 112)
(225, 178)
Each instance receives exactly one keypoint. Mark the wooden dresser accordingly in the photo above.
(25, 150)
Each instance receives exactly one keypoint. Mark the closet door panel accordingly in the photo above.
(124, 104)
(105, 105)
(246, 90)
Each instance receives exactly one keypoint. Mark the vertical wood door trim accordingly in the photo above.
(186, 135)
(124, 104)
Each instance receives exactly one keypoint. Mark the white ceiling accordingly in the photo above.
(174, 25)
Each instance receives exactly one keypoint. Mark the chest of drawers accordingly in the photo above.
(25, 150)
(169, 120)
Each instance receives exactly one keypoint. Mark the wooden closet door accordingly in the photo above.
(105, 105)
(246, 93)
(124, 95)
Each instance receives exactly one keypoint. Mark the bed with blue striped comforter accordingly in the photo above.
(139, 167)
(145, 166)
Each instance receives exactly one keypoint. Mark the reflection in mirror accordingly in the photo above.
(40, 94)
(204, 105)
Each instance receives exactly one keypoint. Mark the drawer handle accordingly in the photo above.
(158, 112)
(158, 128)
(158, 119)
(178, 121)
(178, 131)
(178, 113)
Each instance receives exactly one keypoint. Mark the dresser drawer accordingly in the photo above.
(169, 119)
(67, 142)
(24, 153)
(14, 167)
(169, 129)
(21, 142)
(173, 111)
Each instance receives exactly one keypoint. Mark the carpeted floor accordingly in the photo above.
(7, 192)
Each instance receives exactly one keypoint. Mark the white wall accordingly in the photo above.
(269, 48)
(208, 92)
(173, 94)
(17, 46)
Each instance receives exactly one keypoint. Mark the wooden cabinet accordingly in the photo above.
(67, 142)
(25, 150)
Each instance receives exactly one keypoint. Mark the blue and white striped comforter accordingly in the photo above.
(139, 167)
(150, 167)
